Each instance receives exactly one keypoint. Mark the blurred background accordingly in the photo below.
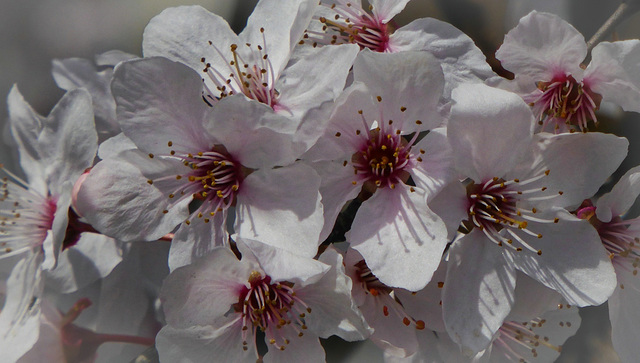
(33, 32)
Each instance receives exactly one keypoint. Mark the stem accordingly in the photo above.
(624, 11)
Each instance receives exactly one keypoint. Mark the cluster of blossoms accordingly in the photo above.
(235, 197)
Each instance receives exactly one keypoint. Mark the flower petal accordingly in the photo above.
(490, 131)
(281, 207)
(613, 73)
(116, 199)
(181, 34)
(333, 311)
(204, 344)
(160, 101)
(479, 291)
(400, 238)
(541, 46)
(461, 60)
(203, 292)
(573, 260)
(408, 86)
(621, 197)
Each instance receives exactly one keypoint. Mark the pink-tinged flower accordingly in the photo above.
(54, 152)
(257, 64)
(35, 214)
(621, 239)
(345, 21)
(217, 160)
(546, 53)
(517, 188)
(216, 307)
(372, 146)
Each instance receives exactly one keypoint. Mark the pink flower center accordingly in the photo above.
(350, 24)
(383, 158)
(271, 307)
(25, 215)
(256, 81)
(493, 207)
(565, 104)
(213, 179)
(619, 237)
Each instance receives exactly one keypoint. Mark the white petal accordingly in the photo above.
(301, 349)
(336, 190)
(333, 311)
(411, 81)
(579, 164)
(479, 291)
(284, 22)
(489, 131)
(62, 145)
(426, 304)
(542, 45)
(72, 73)
(26, 125)
(281, 207)
(68, 141)
(197, 239)
(113, 145)
(532, 299)
(203, 292)
(282, 265)
(116, 199)
(387, 9)
(461, 60)
(20, 316)
(436, 168)
(613, 73)
(621, 198)
(182, 34)
(204, 344)
(400, 238)
(317, 77)
(160, 101)
(573, 260)
(252, 132)
(50, 338)
(623, 308)
(452, 205)
(93, 257)
(347, 129)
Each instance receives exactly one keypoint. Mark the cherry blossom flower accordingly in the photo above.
(517, 188)
(216, 306)
(546, 53)
(371, 145)
(620, 237)
(345, 21)
(218, 160)
(258, 62)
